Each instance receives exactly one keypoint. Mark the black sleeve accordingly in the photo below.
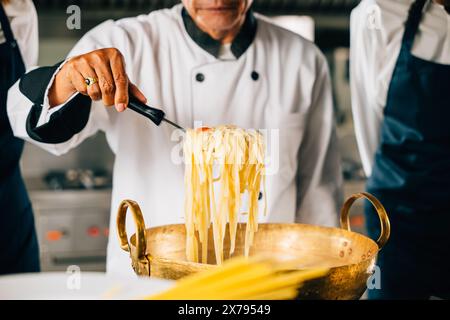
(64, 123)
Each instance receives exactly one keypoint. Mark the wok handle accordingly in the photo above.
(140, 227)
(382, 215)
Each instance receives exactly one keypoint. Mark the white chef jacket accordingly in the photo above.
(377, 28)
(292, 93)
(24, 25)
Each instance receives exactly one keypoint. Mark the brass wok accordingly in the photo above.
(160, 251)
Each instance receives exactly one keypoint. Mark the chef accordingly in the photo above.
(214, 62)
(18, 49)
(400, 81)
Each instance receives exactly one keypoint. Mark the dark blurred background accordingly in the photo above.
(330, 16)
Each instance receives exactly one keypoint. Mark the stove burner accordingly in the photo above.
(78, 179)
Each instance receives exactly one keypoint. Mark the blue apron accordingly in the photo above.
(411, 176)
(18, 244)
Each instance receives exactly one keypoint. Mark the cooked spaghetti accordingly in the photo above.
(238, 157)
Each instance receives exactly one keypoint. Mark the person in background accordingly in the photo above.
(400, 82)
(212, 61)
(18, 51)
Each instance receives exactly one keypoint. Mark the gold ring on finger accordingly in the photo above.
(90, 81)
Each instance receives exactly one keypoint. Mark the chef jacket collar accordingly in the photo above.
(239, 45)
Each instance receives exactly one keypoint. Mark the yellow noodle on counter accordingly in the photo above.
(242, 278)
(238, 157)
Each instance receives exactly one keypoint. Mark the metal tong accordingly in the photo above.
(155, 115)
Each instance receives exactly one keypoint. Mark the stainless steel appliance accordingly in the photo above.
(72, 226)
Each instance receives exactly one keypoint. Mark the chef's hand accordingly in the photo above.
(107, 66)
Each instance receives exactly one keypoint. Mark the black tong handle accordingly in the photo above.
(155, 115)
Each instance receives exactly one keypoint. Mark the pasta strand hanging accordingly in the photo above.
(238, 156)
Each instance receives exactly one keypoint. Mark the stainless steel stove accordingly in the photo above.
(72, 219)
